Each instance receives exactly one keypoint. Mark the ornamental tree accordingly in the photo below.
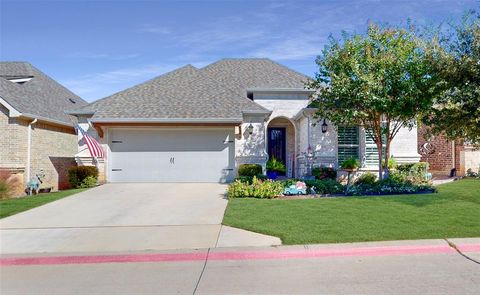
(380, 80)
(456, 113)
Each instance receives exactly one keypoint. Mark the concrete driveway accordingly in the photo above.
(127, 217)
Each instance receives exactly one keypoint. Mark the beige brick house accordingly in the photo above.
(36, 136)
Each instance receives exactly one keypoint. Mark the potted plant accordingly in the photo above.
(274, 167)
(350, 165)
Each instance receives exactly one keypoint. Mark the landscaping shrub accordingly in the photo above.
(392, 163)
(366, 178)
(415, 172)
(88, 182)
(249, 179)
(7, 184)
(395, 184)
(257, 189)
(351, 163)
(250, 170)
(324, 173)
(471, 173)
(78, 174)
(325, 186)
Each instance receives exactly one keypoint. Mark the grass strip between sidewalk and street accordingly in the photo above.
(453, 212)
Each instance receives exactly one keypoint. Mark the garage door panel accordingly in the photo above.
(183, 155)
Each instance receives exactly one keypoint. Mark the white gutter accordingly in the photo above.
(12, 112)
(29, 147)
(166, 120)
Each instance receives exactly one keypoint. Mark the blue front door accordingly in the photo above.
(277, 144)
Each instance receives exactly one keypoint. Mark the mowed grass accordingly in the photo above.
(452, 212)
(13, 206)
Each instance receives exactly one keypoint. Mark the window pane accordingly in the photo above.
(346, 153)
(347, 135)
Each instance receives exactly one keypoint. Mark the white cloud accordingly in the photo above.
(97, 85)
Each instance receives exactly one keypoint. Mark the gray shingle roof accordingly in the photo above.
(240, 74)
(217, 91)
(41, 96)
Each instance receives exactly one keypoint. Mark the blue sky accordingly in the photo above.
(96, 48)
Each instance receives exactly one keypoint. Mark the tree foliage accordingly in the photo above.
(456, 113)
(381, 80)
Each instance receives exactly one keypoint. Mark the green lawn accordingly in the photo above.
(14, 206)
(452, 212)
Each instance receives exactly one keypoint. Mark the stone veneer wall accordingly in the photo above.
(53, 148)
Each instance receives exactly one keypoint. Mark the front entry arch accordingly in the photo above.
(281, 142)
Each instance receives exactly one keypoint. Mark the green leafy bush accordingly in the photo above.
(275, 165)
(324, 173)
(249, 179)
(395, 184)
(88, 182)
(325, 186)
(471, 173)
(350, 164)
(366, 178)
(256, 189)
(77, 174)
(249, 170)
(415, 172)
(392, 163)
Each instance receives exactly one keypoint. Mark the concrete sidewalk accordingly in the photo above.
(392, 267)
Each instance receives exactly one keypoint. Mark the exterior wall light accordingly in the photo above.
(250, 129)
(324, 126)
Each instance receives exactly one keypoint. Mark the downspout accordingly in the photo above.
(29, 148)
(453, 172)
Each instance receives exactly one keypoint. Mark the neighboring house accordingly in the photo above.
(36, 135)
(447, 157)
(200, 124)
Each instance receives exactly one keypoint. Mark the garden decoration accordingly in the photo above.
(300, 188)
(350, 165)
(34, 184)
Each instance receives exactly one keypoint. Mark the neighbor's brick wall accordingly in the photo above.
(53, 148)
(13, 141)
(440, 161)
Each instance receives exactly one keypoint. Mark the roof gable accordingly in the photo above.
(183, 93)
(40, 96)
(240, 74)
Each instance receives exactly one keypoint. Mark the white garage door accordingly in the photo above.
(171, 155)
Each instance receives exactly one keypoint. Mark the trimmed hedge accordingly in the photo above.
(250, 170)
(81, 176)
(257, 189)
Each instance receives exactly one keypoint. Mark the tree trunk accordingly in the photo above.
(380, 158)
(387, 153)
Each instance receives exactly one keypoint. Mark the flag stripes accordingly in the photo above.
(94, 147)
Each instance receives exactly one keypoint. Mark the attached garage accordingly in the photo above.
(171, 154)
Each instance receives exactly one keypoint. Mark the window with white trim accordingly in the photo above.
(348, 143)
(371, 150)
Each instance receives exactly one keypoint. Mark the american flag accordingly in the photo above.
(94, 147)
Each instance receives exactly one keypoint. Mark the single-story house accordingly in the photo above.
(36, 135)
(200, 124)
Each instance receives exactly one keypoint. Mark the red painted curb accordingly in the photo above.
(233, 255)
